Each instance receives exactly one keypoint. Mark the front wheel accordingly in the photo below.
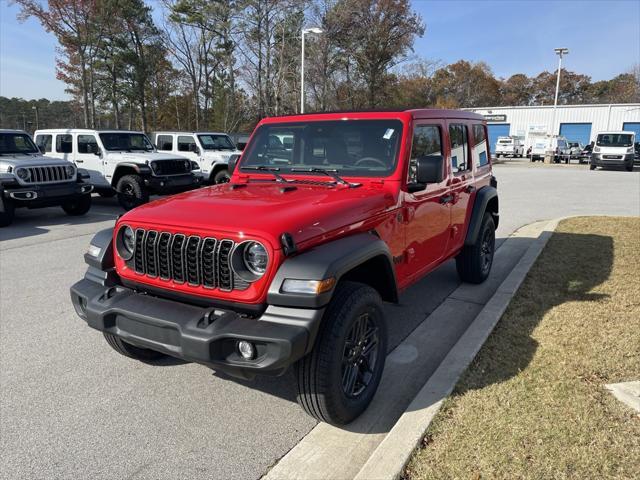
(131, 192)
(79, 206)
(337, 380)
(131, 351)
(7, 213)
(222, 176)
(592, 167)
(629, 168)
(474, 262)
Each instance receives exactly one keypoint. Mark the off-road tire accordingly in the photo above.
(8, 213)
(79, 206)
(222, 176)
(320, 374)
(131, 192)
(592, 166)
(474, 262)
(131, 351)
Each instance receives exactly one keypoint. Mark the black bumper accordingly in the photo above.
(208, 336)
(36, 196)
(173, 183)
(600, 160)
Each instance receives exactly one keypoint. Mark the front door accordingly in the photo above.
(461, 182)
(427, 211)
(188, 148)
(87, 156)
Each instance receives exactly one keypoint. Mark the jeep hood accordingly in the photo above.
(24, 160)
(142, 157)
(266, 209)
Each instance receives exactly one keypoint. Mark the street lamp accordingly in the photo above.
(304, 32)
(560, 52)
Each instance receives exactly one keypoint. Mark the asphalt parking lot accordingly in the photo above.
(70, 407)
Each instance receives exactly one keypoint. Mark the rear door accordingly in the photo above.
(186, 146)
(427, 211)
(461, 181)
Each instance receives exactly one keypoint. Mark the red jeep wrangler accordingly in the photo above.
(325, 217)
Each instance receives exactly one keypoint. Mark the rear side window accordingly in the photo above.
(87, 144)
(64, 143)
(44, 142)
(184, 143)
(426, 141)
(459, 148)
(479, 150)
(165, 142)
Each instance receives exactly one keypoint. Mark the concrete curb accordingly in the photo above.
(393, 453)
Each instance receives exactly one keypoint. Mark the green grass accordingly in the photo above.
(533, 403)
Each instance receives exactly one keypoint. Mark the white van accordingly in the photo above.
(555, 144)
(210, 150)
(120, 162)
(509, 146)
(614, 149)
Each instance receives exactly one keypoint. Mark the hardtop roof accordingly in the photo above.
(418, 113)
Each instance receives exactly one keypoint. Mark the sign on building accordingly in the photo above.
(495, 118)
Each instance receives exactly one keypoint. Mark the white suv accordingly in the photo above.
(509, 146)
(210, 150)
(120, 162)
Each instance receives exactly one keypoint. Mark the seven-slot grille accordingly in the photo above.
(185, 259)
(48, 174)
(171, 167)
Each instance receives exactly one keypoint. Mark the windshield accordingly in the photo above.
(216, 142)
(366, 148)
(17, 143)
(614, 140)
(117, 141)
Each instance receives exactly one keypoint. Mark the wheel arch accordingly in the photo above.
(486, 201)
(362, 257)
(128, 168)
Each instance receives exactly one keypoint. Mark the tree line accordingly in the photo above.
(224, 64)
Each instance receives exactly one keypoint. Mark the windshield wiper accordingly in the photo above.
(263, 168)
(333, 173)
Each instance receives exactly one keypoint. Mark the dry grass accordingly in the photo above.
(533, 403)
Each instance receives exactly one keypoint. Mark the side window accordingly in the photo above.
(64, 143)
(87, 144)
(479, 150)
(184, 143)
(459, 148)
(165, 142)
(44, 142)
(426, 141)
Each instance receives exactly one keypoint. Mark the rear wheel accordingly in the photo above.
(337, 380)
(131, 351)
(79, 206)
(474, 262)
(7, 213)
(131, 192)
(222, 176)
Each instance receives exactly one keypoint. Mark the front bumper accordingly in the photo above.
(36, 196)
(601, 160)
(208, 336)
(173, 183)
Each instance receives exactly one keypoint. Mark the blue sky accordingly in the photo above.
(511, 36)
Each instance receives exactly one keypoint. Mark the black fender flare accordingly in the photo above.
(140, 169)
(330, 260)
(485, 195)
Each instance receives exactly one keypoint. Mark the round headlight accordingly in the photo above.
(187, 165)
(70, 170)
(126, 242)
(255, 258)
(23, 173)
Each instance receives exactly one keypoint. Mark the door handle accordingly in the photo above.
(470, 189)
(79, 161)
(446, 199)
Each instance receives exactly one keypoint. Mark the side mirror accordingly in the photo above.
(233, 161)
(428, 170)
(194, 148)
(96, 150)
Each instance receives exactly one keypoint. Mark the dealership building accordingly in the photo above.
(577, 123)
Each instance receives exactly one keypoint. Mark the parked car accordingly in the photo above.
(210, 150)
(512, 146)
(122, 163)
(614, 149)
(636, 158)
(29, 179)
(550, 144)
(289, 263)
(575, 150)
(585, 155)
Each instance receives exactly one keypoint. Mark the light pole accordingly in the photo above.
(35, 107)
(304, 32)
(560, 52)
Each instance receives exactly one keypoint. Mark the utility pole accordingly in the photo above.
(560, 52)
(304, 32)
(35, 107)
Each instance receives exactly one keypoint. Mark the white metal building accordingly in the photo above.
(580, 123)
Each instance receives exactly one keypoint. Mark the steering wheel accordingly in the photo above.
(371, 160)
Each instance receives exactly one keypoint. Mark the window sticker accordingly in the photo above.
(387, 135)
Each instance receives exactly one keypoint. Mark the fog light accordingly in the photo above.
(246, 349)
